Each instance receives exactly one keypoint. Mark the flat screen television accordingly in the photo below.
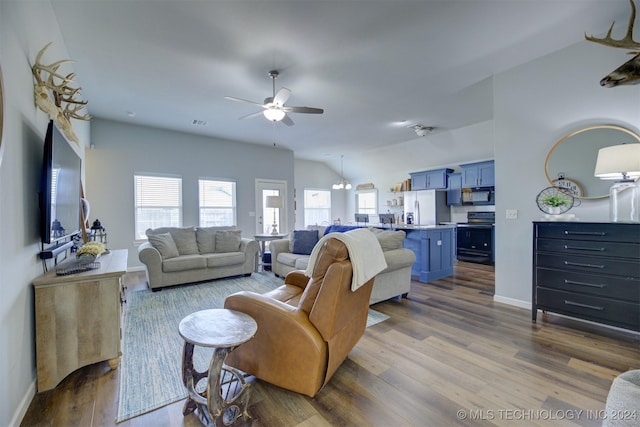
(60, 188)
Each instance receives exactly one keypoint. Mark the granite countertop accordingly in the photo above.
(422, 227)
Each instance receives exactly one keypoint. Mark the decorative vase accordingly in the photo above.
(555, 210)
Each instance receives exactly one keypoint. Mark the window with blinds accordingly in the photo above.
(317, 207)
(158, 202)
(217, 201)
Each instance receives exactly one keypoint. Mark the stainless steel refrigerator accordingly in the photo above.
(427, 207)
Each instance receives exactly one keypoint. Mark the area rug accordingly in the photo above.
(150, 372)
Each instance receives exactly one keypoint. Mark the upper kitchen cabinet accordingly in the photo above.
(454, 190)
(430, 180)
(480, 174)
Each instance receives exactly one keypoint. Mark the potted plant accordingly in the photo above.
(555, 202)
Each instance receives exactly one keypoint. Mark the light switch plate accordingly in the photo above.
(512, 213)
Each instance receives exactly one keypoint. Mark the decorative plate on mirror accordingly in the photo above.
(570, 185)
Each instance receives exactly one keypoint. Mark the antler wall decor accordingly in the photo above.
(54, 95)
(629, 72)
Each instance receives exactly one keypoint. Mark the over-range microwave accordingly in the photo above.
(478, 196)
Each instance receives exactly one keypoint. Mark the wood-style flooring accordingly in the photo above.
(449, 355)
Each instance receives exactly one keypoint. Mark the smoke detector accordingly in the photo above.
(421, 130)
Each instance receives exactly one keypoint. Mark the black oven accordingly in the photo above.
(475, 238)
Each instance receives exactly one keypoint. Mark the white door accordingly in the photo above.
(266, 214)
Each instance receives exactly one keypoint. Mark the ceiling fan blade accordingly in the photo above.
(233, 98)
(287, 121)
(248, 116)
(281, 97)
(306, 110)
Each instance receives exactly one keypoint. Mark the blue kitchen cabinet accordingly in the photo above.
(430, 180)
(435, 250)
(454, 190)
(480, 174)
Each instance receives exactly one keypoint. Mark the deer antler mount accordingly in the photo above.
(629, 72)
(55, 96)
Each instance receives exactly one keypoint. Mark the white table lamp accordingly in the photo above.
(274, 202)
(621, 163)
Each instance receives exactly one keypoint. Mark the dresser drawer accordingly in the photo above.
(618, 232)
(589, 264)
(589, 247)
(605, 310)
(614, 287)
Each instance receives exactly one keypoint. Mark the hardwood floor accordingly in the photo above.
(448, 355)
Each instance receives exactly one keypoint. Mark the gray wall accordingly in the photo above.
(535, 105)
(122, 149)
(25, 27)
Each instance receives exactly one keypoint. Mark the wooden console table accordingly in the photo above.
(78, 319)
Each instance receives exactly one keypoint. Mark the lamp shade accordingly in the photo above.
(274, 201)
(273, 114)
(618, 162)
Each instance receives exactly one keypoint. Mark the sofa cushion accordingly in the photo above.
(224, 259)
(228, 241)
(184, 262)
(164, 244)
(320, 228)
(206, 238)
(304, 241)
(288, 258)
(389, 239)
(184, 238)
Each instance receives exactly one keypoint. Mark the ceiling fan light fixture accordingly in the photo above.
(274, 114)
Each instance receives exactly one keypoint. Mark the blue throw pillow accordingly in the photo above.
(304, 241)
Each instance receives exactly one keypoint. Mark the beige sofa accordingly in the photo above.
(175, 255)
(394, 281)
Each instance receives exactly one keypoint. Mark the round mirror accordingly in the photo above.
(571, 162)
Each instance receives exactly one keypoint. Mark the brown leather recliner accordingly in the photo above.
(307, 327)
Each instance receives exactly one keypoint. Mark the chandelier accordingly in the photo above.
(343, 184)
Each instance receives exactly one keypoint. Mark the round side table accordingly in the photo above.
(226, 398)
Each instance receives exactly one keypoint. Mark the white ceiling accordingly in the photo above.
(370, 64)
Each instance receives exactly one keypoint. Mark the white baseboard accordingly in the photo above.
(512, 301)
(22, 408)
(135, 268)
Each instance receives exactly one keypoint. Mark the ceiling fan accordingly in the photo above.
(273, 106)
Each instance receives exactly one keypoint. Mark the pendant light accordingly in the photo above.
(343, 184)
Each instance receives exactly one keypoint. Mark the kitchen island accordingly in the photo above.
(435, 249)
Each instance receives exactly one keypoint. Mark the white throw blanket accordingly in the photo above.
(365, 254)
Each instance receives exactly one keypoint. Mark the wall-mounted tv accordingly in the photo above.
(60, 188)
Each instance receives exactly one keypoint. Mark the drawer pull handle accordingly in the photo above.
(591, 285)
(578, 248)
(585, 233)
(580, 264)
(577, 304)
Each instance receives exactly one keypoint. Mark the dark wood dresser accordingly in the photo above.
(588, 270)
